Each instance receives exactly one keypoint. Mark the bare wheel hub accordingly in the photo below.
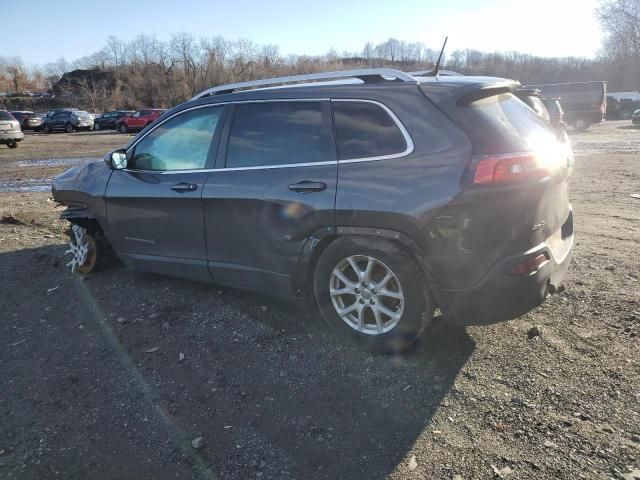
(79, 247)
(366, 294)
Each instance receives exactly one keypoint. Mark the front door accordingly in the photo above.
(154, 206)
(59, 120)
(276, 185)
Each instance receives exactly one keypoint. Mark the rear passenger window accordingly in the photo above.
(365, 130)
(276, 133)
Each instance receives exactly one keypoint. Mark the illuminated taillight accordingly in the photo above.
(509, 169)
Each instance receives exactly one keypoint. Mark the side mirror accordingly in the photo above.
(116, 159)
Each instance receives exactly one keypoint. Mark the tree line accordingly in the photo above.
(150, 72)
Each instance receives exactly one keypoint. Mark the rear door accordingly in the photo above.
(275, 184)
(59, 120)
(154, 207)
(136, 120)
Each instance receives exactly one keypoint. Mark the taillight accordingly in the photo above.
(510, 169)
(530, 266)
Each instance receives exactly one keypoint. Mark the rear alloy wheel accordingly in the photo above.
(12, 144)
(46, 128)
(373, 293)
(122, 128)
(96, 126)
(83, 249)
(68, 128)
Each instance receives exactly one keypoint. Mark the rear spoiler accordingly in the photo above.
(456, 91)
(484, 93)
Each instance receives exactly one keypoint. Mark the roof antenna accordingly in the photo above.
(436, 71)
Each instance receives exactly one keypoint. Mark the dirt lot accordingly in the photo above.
(113, 375)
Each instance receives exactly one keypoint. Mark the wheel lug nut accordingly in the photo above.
(362, 300)
(374, 291)
(357, 290)
(372, 301)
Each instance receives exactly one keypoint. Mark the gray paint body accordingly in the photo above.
(247, 229)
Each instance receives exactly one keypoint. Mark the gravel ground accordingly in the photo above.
(114, 375)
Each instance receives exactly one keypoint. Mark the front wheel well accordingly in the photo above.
(90, 224)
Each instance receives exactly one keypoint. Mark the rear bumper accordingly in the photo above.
(14, 136)
(501, 296)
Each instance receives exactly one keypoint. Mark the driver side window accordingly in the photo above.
(181, 143)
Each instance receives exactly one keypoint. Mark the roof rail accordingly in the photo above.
(372, 75)
(431, 73)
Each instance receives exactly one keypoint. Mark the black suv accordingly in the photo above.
(382, 195)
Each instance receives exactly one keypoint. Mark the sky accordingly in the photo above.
(81, 27)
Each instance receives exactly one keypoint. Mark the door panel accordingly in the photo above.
(255, 223)
(154, 209)
(154, 227)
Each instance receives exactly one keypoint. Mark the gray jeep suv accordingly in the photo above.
(381, 195)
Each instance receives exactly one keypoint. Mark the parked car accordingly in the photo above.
(51, 113)
(68, 121)
(28, 120)
(138, 119)
(531, 96)
(584, 103)
(107, 121)
(556, 113)
(635, 118)
(621, 105)
(10, 131)
(548, 109)
(381, 200)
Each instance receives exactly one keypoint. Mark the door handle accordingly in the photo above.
(184, 187)
(307, 186)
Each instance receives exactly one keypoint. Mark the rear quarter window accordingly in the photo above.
(366, 130)
(5, 115)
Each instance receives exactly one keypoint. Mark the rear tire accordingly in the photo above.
(382, 317)
(581, 125)
(46, 129)
(122, 128)
(69, 128)
(12, 144)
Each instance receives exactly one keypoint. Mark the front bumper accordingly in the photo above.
(11, 136)
(501, 296)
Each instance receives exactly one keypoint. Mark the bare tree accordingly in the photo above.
(620, 23)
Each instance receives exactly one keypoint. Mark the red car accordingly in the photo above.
(138, 119)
